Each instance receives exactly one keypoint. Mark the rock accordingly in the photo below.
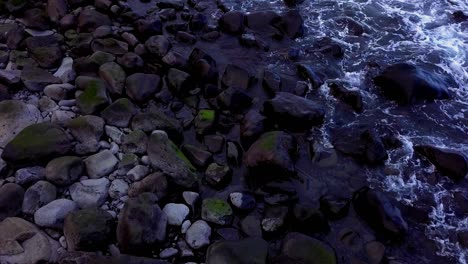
(380, 213)
(23, 243)
(274, 218)
(179, 81)
(94, 98)
(236, 77)
(334, 207)
(141, 87)
(198, 235)
(375, 252)
(252, 126)
(100, 164)
(292, 24)
(35, 79)
(14, 117)
(176, 213)
(360, 142)
(29, 176)
(53, 214)
(137, 173)
(118, 188)
(141, 234)
(191, 198)
(114, 76)
(410, 84)
(166, 157)
(10, 77)
(45, 50)
(351, 97)
(175, 4)
(90, 193)
(56, 9)
(448, 162)
(459, 16)
(271, 82)
(246, 251)
(243, 201)
(235, 100)
(35, 18)
(90, 19)
(158, 45)
(271, 156)
(186, 37)
(309, 219)
(119, 113)
(11, 199)
(232, 22)
(218, 175)
(64, 171)
(37, 143)
(157, 120)
(80, 257)
(131, 61)
(135, 142)
(214, 143)
(352, 26)
(59, 92)
(154, 183)
(217, 211)
(293, 112)
(88, 229)
(197, 156)
(38, 195)
(205, 121)
(250, 225)
(304, 249)
(110, 45)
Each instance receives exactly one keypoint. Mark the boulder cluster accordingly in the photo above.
(127, 137)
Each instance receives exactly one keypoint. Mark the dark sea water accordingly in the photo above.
(416, 31)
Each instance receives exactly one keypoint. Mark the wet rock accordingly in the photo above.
(459, 16)
(157, 120)
(198, 22)
(149, 26)
(114, 76)
(249, 250)
(205, 121)
(271, 82)
(90, 193)
(232, 22)
(214, 143)
(175, 4)
(203, 66)
(35, 79)
(158, 45)
(37, 143)
(155, 183)
(94, 98)
(64, 171)
(38, 195)
(100, 164)
(165, 156)
(448, 162)
(218, 175)
(88, 229)
(270, 157)
(198, 235)
(135, 142)
(176, 213)
(141, 87)
(217, 211)
(110, 45)
(11, 199)
(291, 24)
(352, 26)
(235, 76)
(197, 156)
(351, 97)
(141, 234)
(334, 207)
(53, 214)
(304, 249)
(119, 113)
(186, 37)
(14, 117)
(179, 81)
(242, 201)
(90, 19)
(87, 130)
(45, 50)
(309, 73)
(380, 213)
(360, 142)
(410, 84)
(293, 112)
(23, 243)
(29, 176)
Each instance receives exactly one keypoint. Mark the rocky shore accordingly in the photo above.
(152, 132)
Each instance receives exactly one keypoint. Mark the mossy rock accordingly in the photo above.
(205, 121)
(94, 98)
(217, 211)
(307, 250)
(37, 143)
(246, 251)
(119, 113)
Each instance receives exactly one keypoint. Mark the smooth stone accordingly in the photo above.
(198, 235)
(53, 214)
(38, 195)
(100, 164)
(176, 213)
(90, 193)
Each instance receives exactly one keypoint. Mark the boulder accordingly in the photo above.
(45, 50)
(142, 233)
(141, 87)
(271, 157)
(38, 195)
(11, 200)
(448, 162)
(410, 84)
(64, 171)
(352, 26)
(119, 113)
(165, 156)
(37, 143)
(88, 229)
(14, 117)
(380, 213)
(246, 251)
(307, 250)
(351, 97)
(293, 112)
(53, 214)
(291, 24)
(94, 98)
(310, 74)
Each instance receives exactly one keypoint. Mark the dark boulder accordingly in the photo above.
(11, 200)
(234, 100)
(203, 66)
(157, 120)
(293, 112)
(350, 97)
(235, 76)
(246, 251)
(307, 72)
(352, 26)
(299, 248)
(119, 113)
(459, 16)
(409, 84)
(291, 24)
(141, 87)
(380, 213)
(232, 22)
(90, 19)
(448, 162)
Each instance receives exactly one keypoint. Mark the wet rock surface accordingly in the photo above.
(162, 132)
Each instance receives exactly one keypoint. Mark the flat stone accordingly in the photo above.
(90, 193)
(100, 164)
(53, 214)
